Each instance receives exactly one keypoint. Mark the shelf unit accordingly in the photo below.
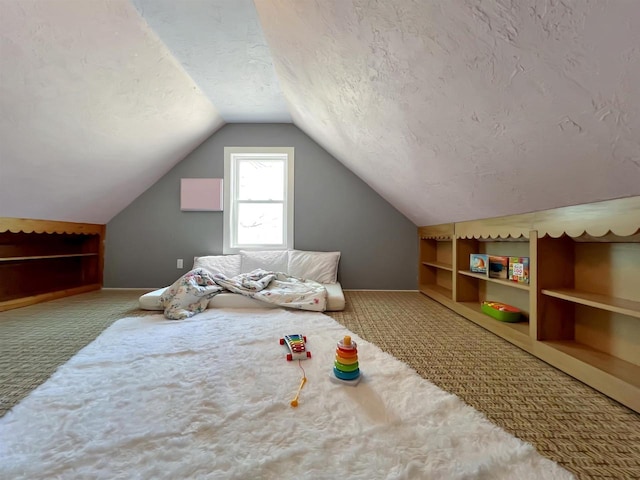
(41, 260)
(582, 305)
(473, 288)
(435, 271)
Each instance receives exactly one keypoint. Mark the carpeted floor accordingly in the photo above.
(568, 422)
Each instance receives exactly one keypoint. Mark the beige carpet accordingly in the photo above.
(35, 340)
(568, 422)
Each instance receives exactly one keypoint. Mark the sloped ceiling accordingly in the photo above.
(221, 46)
(449, 110)
(94, 109)
(457, 110)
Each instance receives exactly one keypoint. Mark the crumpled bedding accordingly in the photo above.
(190, 294)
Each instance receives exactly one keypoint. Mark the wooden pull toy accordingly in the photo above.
(297, 351)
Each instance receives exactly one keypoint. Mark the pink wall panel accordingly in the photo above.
(201, 194)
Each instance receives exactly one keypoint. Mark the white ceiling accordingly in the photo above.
(221, 46)
(449, 110)
(93, 109)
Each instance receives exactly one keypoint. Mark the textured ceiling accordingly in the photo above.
(449, 110)
(93, 109)
(462, 110)
(221, 46)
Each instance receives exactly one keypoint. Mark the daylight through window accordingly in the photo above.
(258, 210)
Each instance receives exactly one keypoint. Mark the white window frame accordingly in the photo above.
(231, 154)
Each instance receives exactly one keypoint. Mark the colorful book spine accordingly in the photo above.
(519, 269)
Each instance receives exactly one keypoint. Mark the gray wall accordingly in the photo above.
(334, 210)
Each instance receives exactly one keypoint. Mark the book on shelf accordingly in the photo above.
(479, 263)
(498, 266)
(519, 269)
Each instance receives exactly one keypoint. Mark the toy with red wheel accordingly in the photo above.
(297, 347)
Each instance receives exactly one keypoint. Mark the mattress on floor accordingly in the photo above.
(335, 300)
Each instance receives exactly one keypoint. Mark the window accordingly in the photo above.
(258, 198)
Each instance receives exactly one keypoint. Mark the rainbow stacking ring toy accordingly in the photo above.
(346, 368)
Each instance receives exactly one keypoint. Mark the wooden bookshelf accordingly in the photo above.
(604, 302)
(436, 261)
(582, 303)
(507, 283)
(42, 260)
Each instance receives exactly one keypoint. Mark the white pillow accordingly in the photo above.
(270, 260)
(319, 266)
(228, 265)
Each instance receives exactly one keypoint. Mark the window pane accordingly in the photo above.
(260, 179)
(260, 223)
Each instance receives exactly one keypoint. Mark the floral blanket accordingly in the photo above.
(191, 293)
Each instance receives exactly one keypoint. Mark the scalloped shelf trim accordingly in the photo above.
(630, 233)
(494, 236)
(26, 225)
(49, 232)
(591, 232)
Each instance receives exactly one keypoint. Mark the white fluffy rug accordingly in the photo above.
(209, 397)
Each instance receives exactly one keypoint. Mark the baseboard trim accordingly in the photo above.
(376, 290)
(344, 289)
(130, 288)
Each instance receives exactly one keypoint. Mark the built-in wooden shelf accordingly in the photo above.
(437, 291)
(482, 318)
(507, 283)
(40, 257)
(583, 295)
(626, 371)
(48, 296)
(435, 270)
(440, 265)
(41, 260)
(604, 302)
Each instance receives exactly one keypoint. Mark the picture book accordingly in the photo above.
(498, 267)
(519, 269)
(478, 263)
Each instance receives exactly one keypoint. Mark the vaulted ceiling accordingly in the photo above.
(449, 110)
